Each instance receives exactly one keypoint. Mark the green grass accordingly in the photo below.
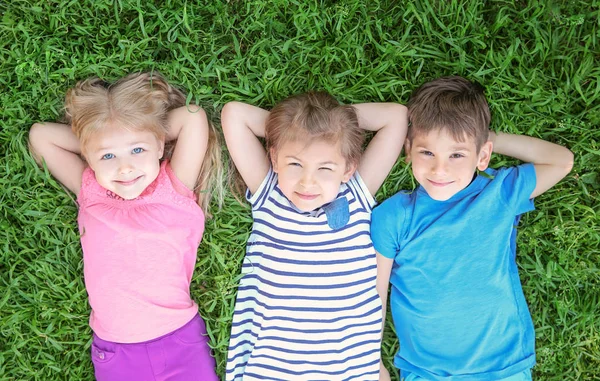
(539, 61)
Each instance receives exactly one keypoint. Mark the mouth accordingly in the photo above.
(439, 184)
(306, 196)
(129, 182)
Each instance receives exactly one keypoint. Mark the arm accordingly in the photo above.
(384, 269)
(242, 125)
(390, 121)
(58, 146)
(551, 161)
(189, 126)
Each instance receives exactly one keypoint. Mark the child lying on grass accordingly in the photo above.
(307, 306)
(449, 246)
(139, 220)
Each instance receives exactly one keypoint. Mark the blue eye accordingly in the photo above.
(294, 164)
(108, 156)
(456, 155)
(427, 153)
(137, 150)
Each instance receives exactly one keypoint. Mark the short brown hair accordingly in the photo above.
(453, 104)
(315, 116)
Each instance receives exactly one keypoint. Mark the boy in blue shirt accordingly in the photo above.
(448, 248)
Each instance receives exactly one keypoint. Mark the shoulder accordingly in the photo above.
(167, 175)
(265, 188)
(514, 185)
(526, 171)
(395, 205)
(359, 189)
(390, 222)
(513, 179)
(89, 187)
(392, 213)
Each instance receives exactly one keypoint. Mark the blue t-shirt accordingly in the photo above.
(456, 299)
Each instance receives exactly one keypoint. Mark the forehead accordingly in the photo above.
(312, 150)
(113, 137)
(442, 139)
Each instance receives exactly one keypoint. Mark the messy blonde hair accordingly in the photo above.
(309, 117)
(140, 101)
(315, 116)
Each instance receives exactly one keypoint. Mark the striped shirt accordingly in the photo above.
(307, 307)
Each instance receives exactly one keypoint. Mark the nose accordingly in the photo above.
(307, 179)
(125, 167)
(439, 166)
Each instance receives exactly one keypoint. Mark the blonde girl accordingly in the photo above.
(139, 220)
(307, 304)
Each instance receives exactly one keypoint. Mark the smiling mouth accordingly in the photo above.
(128, 183)
(307, 196)
(440, 184)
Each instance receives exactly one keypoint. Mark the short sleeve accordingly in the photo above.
(89, 187)
(258, 198)
(360, 190)
(176, 183)
(387, 222)
(517, 185)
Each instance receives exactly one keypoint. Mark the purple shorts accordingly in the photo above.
(182, 355)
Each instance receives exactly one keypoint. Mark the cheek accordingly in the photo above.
(290, 172)
(418, 166)
(102, 169)
(285, 180)
(468, 166)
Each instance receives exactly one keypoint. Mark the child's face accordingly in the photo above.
(310, 174)
(124, 161)
(444, 166)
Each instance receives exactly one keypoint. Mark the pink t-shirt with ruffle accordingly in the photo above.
(139, 256)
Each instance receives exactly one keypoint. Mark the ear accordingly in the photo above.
(273, 158)
(407, 151)
(484, 156)
(161, 147)
(350, 169)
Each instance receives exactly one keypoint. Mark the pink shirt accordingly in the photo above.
(139, 256)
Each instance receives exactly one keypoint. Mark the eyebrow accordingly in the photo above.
(457, 147)
(322, 163)
(110, 148)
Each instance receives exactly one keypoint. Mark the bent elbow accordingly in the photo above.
(36, 133)
(569, 160)
(229, 112)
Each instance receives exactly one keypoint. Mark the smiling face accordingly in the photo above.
(124, 161)
(310, 174)
(444, 166)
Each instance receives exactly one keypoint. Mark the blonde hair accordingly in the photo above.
(315, 116)
(140, 101)
(309, 117)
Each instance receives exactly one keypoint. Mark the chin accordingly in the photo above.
(305, 208)
(441, 198)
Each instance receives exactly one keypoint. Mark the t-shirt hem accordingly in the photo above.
(150, 335)
(526, 363)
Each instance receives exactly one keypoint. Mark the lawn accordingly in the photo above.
(539, 63)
